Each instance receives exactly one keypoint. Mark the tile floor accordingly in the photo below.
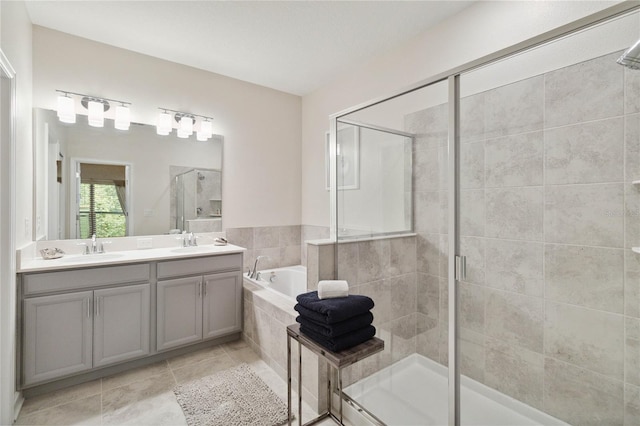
(144, 396)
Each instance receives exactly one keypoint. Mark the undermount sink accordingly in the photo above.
(98, 257)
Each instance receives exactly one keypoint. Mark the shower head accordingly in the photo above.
(631, 57)
(200, 176)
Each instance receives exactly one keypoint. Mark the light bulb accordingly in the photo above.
(206, 128)
(186, 125)
(123, 118)
(201, 136)
(96, 114)
(164, 124)
(66, 109)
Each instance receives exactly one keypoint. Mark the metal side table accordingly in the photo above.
(335, 360)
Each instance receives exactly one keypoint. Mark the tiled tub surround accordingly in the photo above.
(282, 245)
(266, 317)
(550, 310)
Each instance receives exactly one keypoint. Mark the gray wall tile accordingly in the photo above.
(471, 305)
(632, 284)
(426, 169)
(514, 160)
(515, 213)
(474, 250)
(402, 255)
(430, 126)
(585, 152)
(632, 351)
(584, 214)
(632, 146)
(631, 90)
(472, 118)
(428, 212)
(581, 397)
(373, 260)
(584, 337)
(515, 319)
(631, 215)
(586, 276)
(428, 295)
(472, 165)
(472, 212)
(514, 108)
(242, 237)
(428, 337)
(631, 405)
(515, 372)
(428, 253)
(266, 237)
(515, 266)
(290, 235)
(586, 91)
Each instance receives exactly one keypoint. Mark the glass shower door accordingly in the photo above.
(548, 318)
(392, 245)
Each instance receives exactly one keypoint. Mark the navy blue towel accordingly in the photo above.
(338, 328)
(340, 343)
(335, 309)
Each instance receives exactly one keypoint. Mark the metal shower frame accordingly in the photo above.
(456, 260)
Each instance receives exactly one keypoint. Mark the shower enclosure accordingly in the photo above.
(198, 200)
(501, 241)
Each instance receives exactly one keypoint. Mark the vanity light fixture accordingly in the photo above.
(95, 106)
(66, 108)
(123, 118)
(164, 124)
(187, 124)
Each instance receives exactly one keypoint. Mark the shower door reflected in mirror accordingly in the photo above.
(196, 200)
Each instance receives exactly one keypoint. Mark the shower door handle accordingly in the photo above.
(461, 268)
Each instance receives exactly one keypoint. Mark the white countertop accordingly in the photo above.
(126, 256)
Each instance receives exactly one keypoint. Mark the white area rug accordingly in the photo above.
(236, 396)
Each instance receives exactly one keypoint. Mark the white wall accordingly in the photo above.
(261, 126)
(15, 41)
(481, 29)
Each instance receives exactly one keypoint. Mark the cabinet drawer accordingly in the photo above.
(84, 278)
(200, 265)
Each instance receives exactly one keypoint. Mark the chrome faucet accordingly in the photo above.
(93, 247)
(254, 273)
(189, 240)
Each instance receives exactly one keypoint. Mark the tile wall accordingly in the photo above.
(385, 270)
(550, 309)
(282, 245)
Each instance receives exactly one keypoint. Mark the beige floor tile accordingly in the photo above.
(62, 396)
(149, 388)
(196, 356)
(85, 411)
(203, 368)
(134, 375)
(156, 410)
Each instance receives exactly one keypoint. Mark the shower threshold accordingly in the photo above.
(414, 391)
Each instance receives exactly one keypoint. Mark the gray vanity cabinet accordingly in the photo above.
(81, 319)
(70, 333)
(121, 324)
(179, 312)
(205, 306)
(222, 301)
(57, 336)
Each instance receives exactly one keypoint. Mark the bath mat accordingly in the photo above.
(236, 396)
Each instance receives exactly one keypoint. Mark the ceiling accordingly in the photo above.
(292, 46)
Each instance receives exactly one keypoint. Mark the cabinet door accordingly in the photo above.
(121, 324)
(57, 336)
(222, 312)
(179, 316)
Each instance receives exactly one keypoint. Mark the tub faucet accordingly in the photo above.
(253, 273)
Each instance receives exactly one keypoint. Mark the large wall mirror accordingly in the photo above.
(114, 183)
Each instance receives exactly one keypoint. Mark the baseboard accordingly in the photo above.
(17, 405)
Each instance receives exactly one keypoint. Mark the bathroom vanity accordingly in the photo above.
(83, 315)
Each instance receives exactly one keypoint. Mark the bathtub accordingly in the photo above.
(289, 281)
(267, 311)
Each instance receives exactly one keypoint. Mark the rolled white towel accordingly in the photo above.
(328, 289)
